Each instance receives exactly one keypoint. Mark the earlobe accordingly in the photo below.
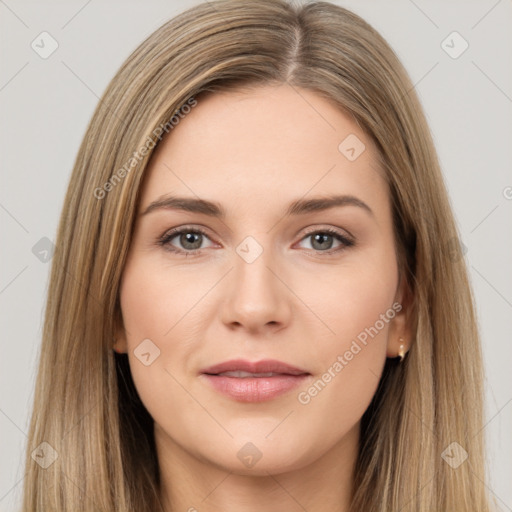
(397, 347)
(117, 347)
(401, 350)
(400, 329)
(119, 343)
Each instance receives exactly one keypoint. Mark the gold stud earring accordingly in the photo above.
(401, 350)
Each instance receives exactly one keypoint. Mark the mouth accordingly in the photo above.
(246, 381)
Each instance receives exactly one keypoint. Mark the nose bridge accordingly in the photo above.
(252, 276)
(256, 296)
(251, 266)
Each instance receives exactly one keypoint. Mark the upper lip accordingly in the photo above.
(264, 366)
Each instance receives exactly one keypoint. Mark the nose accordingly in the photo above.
(257, 299)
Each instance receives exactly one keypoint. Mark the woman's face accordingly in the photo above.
(265, 270)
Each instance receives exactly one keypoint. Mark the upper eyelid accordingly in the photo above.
(201, 229)
(173, 233)
(338, 230)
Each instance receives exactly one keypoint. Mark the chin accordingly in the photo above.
(258, 457)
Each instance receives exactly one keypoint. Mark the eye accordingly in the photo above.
(322, 240)
(190, 240)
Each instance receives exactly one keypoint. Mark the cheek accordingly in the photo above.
(349, 365)
(154, 300)
(355, 302)
(159, 303)
(350, 298)
(156, 306)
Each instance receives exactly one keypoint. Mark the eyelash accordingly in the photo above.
(164, 240)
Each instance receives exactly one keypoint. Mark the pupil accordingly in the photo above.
(188, 238)
(321, 238)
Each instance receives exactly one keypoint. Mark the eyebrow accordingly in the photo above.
(213, 209)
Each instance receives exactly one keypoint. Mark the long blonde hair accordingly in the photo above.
(86, 406)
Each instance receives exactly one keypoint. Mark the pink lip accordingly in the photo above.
(254, 389)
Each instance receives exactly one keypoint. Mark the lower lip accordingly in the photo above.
(255, 389)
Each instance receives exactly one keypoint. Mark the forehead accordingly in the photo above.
(266, 144)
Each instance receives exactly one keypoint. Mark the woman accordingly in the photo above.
(257, 300)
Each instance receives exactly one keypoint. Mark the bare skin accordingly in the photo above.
(303, 301)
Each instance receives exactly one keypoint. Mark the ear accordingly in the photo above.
(400, 327)
(120, 344)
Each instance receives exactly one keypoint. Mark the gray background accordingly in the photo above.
(47, 103)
